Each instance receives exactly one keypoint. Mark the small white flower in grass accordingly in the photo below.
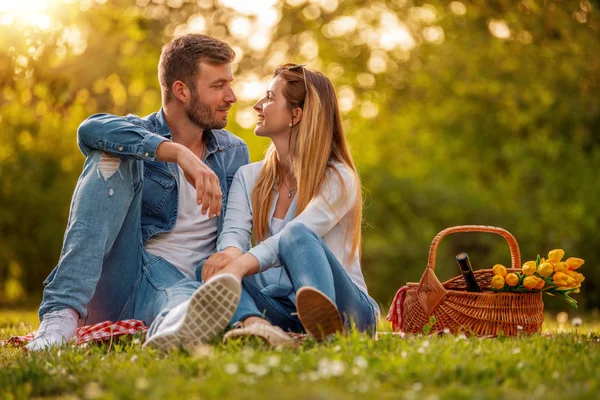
(520, 365)
(136, 341)
(203, 351)
(231, 368)
(403, 354)
(247, 354)
(337, 348)
(329, 368)
(425, 344)
(286, 368)
(142, 383)
(257, 369)
(576, 321)
(519, 328)
(461, 336)
(446, 331)
(273, 361)
(417, 386)
(516, 350)
(361, 362)
(133, 358)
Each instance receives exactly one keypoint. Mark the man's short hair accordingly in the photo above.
(179, 60)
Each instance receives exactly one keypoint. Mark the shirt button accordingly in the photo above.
(121, 148)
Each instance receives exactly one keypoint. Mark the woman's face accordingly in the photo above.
(274, 113)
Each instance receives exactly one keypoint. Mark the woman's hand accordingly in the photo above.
(240, 267)
(217, 261)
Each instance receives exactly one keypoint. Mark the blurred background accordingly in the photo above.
(484, 112)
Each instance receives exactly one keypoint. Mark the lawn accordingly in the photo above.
(563, 363)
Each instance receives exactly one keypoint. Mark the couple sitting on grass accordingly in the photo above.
(163, 213)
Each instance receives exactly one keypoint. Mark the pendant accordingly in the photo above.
(290, 194)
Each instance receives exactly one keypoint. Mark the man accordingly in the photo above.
(150, 201)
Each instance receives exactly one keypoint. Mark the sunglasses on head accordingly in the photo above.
(294, 67)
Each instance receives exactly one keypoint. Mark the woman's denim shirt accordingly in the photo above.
(132, 136)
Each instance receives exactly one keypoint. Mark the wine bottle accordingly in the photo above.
(467, 272)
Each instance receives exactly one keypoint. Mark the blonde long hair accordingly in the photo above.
(320, 140)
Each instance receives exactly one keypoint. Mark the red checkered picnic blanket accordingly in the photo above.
(99, 332)
(397, 308)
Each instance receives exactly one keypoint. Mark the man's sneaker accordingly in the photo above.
(201, 318)
(318, 314)
(56, 328)
(270, 334)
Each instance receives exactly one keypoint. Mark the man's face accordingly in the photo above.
(212, 97)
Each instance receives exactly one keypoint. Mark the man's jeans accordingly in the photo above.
(103, 272)
(308, 262)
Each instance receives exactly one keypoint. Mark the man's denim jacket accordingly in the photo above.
(139, 137)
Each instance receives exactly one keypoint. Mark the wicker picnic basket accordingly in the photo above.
(456, 310)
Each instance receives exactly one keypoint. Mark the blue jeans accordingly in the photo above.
(308, 262)
(103, 272)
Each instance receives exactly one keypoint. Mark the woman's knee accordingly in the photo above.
(294, 235)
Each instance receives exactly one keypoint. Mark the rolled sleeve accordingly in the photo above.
(123, 136)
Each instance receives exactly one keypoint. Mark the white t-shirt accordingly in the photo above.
(193, 238)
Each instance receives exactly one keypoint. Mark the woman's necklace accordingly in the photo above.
(289, 191)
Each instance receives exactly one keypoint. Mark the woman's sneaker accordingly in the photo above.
(318, 314)
(270, 334)
(201, 318)
(56, 328)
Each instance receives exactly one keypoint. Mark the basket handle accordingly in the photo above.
(431, 291)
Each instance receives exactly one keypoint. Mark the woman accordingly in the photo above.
(303, 204)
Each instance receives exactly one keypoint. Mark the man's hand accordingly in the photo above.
(218, 261)
(198, 174)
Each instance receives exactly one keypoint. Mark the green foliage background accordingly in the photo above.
(460, 127)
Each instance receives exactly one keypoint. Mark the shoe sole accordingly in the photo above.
(211, 308)
(318, 314)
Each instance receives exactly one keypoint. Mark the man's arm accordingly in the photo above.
(119, 136)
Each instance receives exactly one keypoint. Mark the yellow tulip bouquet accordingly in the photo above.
(552, 276)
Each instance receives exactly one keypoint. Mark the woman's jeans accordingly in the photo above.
(103, 272)
(308, 262)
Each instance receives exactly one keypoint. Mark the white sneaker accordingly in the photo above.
(56, 328)
(270, 334)
(201, 318)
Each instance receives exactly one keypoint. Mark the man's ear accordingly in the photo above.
(296, 115)
(181, 91)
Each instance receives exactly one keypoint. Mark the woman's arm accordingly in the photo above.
(336, 199)
(237, 226)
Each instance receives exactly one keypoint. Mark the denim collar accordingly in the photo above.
(163, 129)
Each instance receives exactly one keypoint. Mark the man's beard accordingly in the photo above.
(202, 116)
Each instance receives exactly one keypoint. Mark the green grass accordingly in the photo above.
(563, 365)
